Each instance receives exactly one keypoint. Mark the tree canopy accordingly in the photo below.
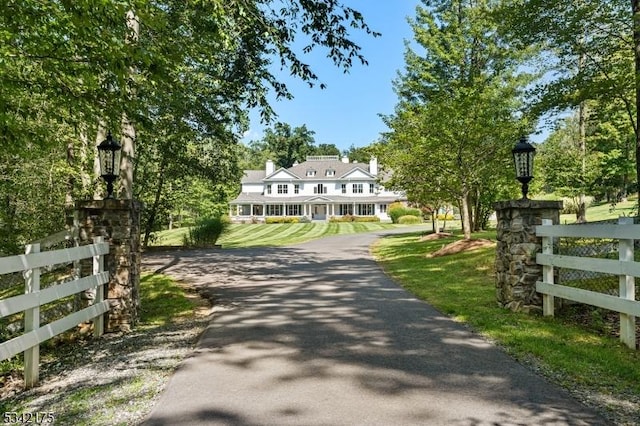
(454, 123)
(174, 79)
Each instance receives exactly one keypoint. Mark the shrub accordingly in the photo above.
(397, 210)
(340, 219)
(305, 219)
(351, 218)
(367, 219)
(570, 205)
(285, 219)
(447, 216)
(205, 232)
(409, 220)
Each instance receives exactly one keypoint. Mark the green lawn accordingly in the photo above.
(463, 286)
(603, 211)
(251, 235)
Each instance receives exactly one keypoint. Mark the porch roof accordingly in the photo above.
(249, 198)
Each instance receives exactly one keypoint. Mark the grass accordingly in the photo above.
(463, 286)
(163, 301)
(603, 211)
(252, 235)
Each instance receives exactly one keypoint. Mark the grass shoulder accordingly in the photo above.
(116, 379)
(596, 368)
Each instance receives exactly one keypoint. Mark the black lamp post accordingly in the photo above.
(523, 154)
(109, 153)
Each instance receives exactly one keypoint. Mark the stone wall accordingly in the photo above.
(517, 246)
(118, 221)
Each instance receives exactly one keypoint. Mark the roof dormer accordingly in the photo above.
(311, 172)
(330, 172)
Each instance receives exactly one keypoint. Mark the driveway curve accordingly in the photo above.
(317, 334)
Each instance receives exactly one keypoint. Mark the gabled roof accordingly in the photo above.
(253, 176)
(356, 169)
(321, 166)
(283, 170)
(318, 198)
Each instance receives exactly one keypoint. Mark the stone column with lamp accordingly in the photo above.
(118, 221)
(517, 243)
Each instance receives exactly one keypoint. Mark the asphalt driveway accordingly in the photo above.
(316, 334)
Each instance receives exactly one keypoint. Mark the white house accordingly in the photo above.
(320, 187)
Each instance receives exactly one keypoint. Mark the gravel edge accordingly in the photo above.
(112, 380)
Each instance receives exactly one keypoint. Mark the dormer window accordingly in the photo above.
(311, 172)
(330, 172)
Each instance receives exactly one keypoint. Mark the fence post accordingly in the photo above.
(32, 321)
(98, 267)
(627, 289)
(548, 301)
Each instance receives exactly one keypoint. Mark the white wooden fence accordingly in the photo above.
(625, 267)
(31, 264)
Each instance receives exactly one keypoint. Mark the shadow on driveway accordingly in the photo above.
(316, 334)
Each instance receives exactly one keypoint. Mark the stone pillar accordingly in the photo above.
(118, 221)
(517, 246)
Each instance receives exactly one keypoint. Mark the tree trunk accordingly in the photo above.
(465, 214)
(101, 134)
(85, 179)
(128, 129)
(581, 214)
(636, 43)
(126, 160)
(435, 225)
(71, 180)
(156, 202)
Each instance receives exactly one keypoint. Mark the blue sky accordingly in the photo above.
(347, 112)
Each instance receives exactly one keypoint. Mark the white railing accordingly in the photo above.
(31, 264)
(625, 267)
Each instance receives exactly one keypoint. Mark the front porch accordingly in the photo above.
(319, 209)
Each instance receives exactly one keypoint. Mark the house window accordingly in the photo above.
(294, 210)
(344, 209)
(383, 208)
(274, 209)
(268, 189)
(330, 172)
(344, 188)
(365, 209)
(296, 189)
(320, 189)
(283, 189)
(244, 210)
(311, 172)
(357, 188)
(372, 188)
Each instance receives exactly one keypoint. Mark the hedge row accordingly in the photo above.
(351, 218)
(409, 220)
(286, 219)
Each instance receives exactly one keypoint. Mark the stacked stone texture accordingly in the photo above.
(118, 221)
(517, 246)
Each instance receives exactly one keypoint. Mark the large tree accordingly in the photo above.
(180, 73)
(588, 56)
(455, 121)
(289, 145)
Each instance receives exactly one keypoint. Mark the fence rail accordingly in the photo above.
(624, 267)
(30, 264)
